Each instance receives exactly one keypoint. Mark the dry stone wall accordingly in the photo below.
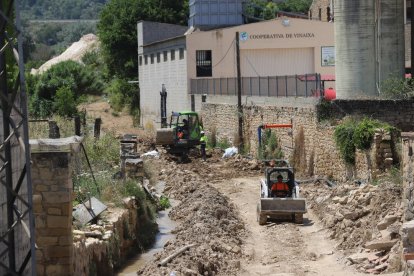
(407, 231)
(321, 154)
(318, 139)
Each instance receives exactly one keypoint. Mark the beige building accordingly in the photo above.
(269, 52)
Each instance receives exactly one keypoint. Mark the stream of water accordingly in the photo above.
(165, 226)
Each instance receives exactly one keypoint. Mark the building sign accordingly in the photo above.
(244, 36)
(328, 56)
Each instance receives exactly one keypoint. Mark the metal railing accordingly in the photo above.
(308, 85)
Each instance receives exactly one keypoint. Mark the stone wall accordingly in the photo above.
(408, 174)
(100, 249)
(321, 5)
(407, 230)
(318, 139)
(321, 154)
(399, 113)
(52, 205)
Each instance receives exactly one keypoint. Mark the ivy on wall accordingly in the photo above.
(354, 134)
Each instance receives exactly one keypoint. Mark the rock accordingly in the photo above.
(407, 233)
(358, 258)
(381, 244)
(387, 221)
(94, 234)
(236, 250)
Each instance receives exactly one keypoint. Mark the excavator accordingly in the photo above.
(181, 134)
(284, 204)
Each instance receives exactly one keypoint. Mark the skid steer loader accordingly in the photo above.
(280, 204)
(284, 204)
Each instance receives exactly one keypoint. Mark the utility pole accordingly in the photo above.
(239, 105)
(412, 40)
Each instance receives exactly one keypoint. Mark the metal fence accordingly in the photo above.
(308, 85)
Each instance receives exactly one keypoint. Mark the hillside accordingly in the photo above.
(61, 9)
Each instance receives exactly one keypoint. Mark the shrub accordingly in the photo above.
(164, 203)
(270, 147)
(64, 102)
(223, 143)
(364, 133)
(352, 135)
(397, 89)
(344, 134)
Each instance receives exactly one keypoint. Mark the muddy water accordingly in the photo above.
(165, 226)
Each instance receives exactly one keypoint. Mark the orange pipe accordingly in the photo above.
(277, 126)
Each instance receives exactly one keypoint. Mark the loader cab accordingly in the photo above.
(286, 173)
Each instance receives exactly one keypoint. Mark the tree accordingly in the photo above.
(301, 6)
(64, 103)
(117, 30)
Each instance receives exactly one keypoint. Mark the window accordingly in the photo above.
(165, 55)
(320, 14)
(328, 14)
(203, 63)
(181, 53)
(173, 54)
(158, 57)
(140, 60)
(152, 58)
(146, 59)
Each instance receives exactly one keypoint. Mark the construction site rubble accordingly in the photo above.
(206, 219)
(364, 219)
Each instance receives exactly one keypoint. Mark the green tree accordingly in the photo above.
(301, 6)
(64, 102)
(118, 33)
(70, 74)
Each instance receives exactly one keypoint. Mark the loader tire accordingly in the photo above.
(298, 218)
(261, 219)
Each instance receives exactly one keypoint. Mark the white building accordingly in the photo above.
(161, 61)
(279, 58)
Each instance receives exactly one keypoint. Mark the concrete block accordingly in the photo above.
(57, 197)
(68, 240)
(44, 241)
(54, 211)
(407, 233)
(58, 221)
(58, 270)
(58, 251)
(381, 244)
(37, 199)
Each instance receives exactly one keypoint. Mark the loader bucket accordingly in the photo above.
(271, 206)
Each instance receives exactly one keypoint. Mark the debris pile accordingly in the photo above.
(206, 219)
(363, 218)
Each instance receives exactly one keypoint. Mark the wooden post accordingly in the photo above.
(97, 128)
(77, 125)
(239, 105)
(54, 132)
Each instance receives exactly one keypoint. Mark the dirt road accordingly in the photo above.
(284, 248)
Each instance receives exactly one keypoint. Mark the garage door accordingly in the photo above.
(277, 62)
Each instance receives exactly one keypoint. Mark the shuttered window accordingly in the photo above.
(203, 63)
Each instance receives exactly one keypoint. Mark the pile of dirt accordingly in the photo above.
(75, 52)
(206, 219)
(363, 219)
